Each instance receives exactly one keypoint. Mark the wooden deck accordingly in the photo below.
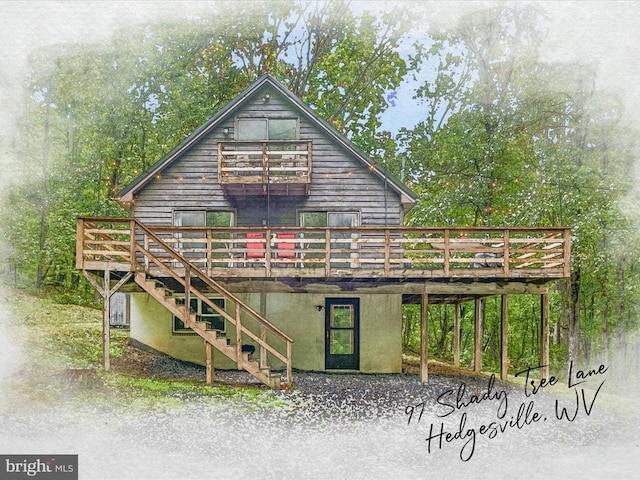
(366, 252)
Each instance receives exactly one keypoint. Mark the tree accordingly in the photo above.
(509, 140)
(100, 115)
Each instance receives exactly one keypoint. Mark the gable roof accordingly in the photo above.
(127, 194)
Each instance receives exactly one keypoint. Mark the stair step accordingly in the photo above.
(166, 297)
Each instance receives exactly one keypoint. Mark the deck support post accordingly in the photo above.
(544, 335)
(504, 338)
(209, 360)
(477, 338)
(240, 361)
(456, 334)
(106, 292)
(106, 320)
(424, 337)
(263, 329)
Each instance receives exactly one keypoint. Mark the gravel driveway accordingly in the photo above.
(334, 427)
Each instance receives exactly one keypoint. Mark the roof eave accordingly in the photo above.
(128, 194)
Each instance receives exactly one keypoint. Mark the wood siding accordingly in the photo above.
(339, 181)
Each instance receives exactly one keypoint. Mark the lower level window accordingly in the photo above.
(205, 313)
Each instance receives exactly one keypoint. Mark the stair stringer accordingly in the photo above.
(162, 295)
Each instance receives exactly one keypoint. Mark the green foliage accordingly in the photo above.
(57, 337)
(504, 140)
(508, 140)
(98, 116)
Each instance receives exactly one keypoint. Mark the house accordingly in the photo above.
(267, 241)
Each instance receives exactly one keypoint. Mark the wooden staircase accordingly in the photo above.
(133, 248)
(221, 342)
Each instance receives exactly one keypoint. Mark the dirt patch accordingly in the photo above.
(140, 363)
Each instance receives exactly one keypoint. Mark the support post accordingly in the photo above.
(289, 366)
(504, 338)
(80, 244)
(263, 329)
(544, 335)
(240, 362)
(209, 360)
(106, 320)
(424, 337)
(456, 334)
(187, 295)
(477, 338)
(106, 292)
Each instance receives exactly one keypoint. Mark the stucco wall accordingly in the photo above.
(151, 326)
(298, 317)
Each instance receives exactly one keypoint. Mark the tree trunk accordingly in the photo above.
(621, 334)
(565, 302)
(43, 211)
(604, 318)
(574, 317)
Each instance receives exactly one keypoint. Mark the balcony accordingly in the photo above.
(253, 168)
(116, 244)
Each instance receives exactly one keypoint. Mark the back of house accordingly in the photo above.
(266, 226)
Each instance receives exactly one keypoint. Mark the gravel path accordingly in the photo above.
(337, 396)
(331, 427)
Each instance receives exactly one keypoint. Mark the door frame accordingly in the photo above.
(342, 361)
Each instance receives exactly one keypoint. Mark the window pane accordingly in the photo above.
(219, 219)
(216, 322)
(189, 219)
(341, 316)
(340, 219)
(282, 129)
(207, 310)
(252, 129)
(341, 342)
(178, 325)
(313, 219)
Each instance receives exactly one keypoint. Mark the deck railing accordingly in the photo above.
(269, 162)
(364, 252)
(127, 245)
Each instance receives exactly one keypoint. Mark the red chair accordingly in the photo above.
(286, 249)
(255, 249)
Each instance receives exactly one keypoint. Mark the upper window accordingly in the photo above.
(259, 129)
(221, 218)
(192, 245)
(329, 219)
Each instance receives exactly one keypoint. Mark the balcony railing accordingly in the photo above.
(264, 163)
(364, 252)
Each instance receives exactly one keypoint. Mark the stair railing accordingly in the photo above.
(191, 270)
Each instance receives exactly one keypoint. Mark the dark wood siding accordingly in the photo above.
(340, 182)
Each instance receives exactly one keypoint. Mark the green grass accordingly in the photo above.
(57, 337)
